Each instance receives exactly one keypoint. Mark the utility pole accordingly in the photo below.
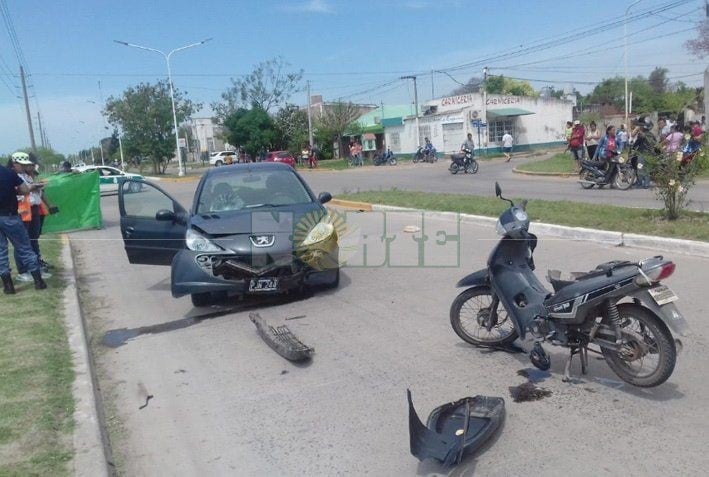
(416, 106)
(485, 107)
(625, 56)
(433, 95)
(41, 131)
(27, 109)
(310, 120)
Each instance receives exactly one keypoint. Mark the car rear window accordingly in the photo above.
(283, 154)
(251, 190)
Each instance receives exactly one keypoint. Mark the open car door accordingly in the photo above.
(153, 224)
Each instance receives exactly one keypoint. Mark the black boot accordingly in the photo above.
(8, 286)
(38, 281)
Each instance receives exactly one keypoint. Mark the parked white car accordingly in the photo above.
(222, 157)
(108, 178)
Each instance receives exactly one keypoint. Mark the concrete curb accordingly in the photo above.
(89, 449)
(688, 247)
(544, 174)
(350, 204)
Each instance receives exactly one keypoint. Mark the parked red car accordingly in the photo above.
(281, 156)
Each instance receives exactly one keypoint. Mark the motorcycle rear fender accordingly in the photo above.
(475, 279)
(668, 313)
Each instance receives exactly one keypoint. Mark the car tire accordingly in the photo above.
(201, 299)
(336, 282)
(218, 163)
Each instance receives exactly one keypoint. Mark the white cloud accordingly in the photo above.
(311, 6)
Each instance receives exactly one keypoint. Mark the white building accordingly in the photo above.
(208, 134)
(534, 122)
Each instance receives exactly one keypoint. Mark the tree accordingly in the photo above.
(252, 129)
(292, 126)
(658, 80)
(699, 46)
(335, 121)
(501, 85)
(144, 114)
(266, 87)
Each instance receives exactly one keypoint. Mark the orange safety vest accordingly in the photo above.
(43, 209)
(24, 209)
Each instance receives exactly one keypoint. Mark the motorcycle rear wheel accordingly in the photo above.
(454, 168)
(392, 161)
(415, 159)
(469, 313)
(586, 176)
(624, 179)
(656, 344)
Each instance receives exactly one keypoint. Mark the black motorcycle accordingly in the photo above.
(620, 307)
(463, 162)
(616, 172)
(387, 158)
(422, 155)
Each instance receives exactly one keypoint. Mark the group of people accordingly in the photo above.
(582, 142)
(356, 158)
(22, 210)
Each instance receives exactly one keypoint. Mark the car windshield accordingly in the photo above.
(251, 190)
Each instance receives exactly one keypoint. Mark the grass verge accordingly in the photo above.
(692, 225)
(560, 163)
(36, 376)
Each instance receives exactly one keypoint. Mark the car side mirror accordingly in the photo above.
(165, 215)
(325, 197)
(498, 190)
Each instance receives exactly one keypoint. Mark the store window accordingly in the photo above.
(394, 142)
(424, 132)
(497, 129)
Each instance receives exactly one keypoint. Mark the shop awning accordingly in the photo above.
(376, 129)
(508, 112)
(390, 122)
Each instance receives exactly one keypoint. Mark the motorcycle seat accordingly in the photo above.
(580, 283)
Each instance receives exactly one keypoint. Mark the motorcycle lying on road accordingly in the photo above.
(387, 158)
(422, 155)
(617, 171)
(463, 162)
(620, 307)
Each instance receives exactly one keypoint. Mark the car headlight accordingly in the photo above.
(199, 243)
(322, 231)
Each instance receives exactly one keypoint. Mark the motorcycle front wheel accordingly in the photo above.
(473, 322)
(453, 168)
(392, 161)
(473, 167)
(624, 178)
(647, 355)
(415, 159)
(586, 176)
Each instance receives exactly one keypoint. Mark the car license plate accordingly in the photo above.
(263, 284)
(663, 295)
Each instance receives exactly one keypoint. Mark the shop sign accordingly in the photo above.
(504, 100)
(454, 100)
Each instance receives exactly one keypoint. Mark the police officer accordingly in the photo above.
(12, 229)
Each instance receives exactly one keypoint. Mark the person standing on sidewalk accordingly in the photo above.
(593, 135)
(12, 229)
(507, 141)
(576, 144)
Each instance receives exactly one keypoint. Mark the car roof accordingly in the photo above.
(248, 167)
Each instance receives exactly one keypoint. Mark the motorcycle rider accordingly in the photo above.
(644, 143)
(428, 149)
(470, 145)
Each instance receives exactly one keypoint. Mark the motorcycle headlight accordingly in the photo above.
(197, 242)
(322, 231)
(499, 228)
(520, 215)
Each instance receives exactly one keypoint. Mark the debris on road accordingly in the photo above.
(528, 392)
(412, 229)
(281, 340)
(298, 317)
(147, 400)
(534, 375)
(454, 428)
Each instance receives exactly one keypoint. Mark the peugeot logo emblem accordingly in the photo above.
(262, 240)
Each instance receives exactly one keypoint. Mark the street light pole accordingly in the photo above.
(416, 105)
(625, 55)
(181, 168)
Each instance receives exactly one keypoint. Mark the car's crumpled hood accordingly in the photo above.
(234, 230)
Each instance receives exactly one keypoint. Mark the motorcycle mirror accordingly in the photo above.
(524, 204)
(498, 190)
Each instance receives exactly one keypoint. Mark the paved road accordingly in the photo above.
(224, 404)
(436, 178)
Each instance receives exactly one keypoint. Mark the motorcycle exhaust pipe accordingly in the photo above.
(586, 182)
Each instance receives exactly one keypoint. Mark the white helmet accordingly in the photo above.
(21, 158)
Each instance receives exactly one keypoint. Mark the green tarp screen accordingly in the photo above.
(79, 201)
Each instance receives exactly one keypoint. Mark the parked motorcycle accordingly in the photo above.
(385, 158)
(463, 162)
(422, 155)
(620, 307)
(617, 171)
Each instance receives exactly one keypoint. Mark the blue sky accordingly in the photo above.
(352, 49)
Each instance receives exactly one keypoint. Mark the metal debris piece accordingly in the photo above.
(296, 317)
(281, 340)
(412, 229)
(147, 399)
